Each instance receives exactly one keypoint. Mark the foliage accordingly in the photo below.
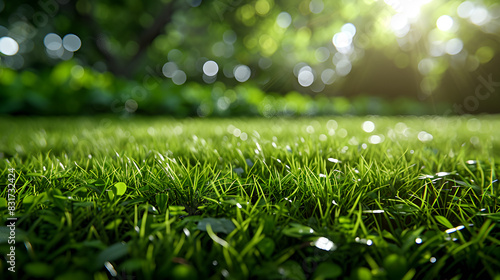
(253, 198)
(430, 50)
(62, 92)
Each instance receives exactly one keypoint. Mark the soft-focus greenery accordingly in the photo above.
(57, 92)
(427, 51)
(412, 198)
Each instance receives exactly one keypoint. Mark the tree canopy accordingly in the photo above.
(430, 51)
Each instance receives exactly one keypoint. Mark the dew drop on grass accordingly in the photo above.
(377, 211)
(237, 132)
(29, 247)
(471, 162)
(418, 240)
(424, 136)
(110, 268)
(334, 160)
(324, 243)
(238, 205)
(342, 133)
(474, 141)
(258, 146)
(452, 230)
(186, 232)
(375, 139)
(442, 174)
(369, 242)
(322, 175)
(332, 124)
(368, 126)
(432, 259)
(215, 263)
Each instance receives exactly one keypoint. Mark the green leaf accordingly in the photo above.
(39, 269)
(3, 202)
(28, 200)
(111, 253)
(395, 266)
(297, 230)
(177, 210)
(266, 246)
(327, 270)
(292, 270)
(361, 273)
(442, 220)
(184, 272)
(111, 193)
(114, 224)
(83, 204)
(133, 264)
(35, 174)
(120, 188)
(218, 225)
(74, 275)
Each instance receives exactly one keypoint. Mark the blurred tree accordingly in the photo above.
(430, 50)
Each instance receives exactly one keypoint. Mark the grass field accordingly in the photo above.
(318, 198)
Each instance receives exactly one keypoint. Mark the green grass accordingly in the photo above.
(154, 198)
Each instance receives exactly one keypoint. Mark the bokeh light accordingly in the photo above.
(179, 77)
(242, 73)
(454, 46)
(169, 69)
(71, 42)
(368, 126)
(284, 20)
(306, 76)
(8, 46)
(210, 68)
(328, 76)
(479, 16)
(444, 23)
(52, 42)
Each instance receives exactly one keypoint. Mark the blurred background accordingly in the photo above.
(257, 58)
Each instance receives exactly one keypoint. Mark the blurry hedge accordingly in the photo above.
(69, 89)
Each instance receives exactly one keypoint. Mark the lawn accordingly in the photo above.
(307, 198)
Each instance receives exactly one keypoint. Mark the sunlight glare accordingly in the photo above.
(465, 9)
(454, 46)
(8, 46)
(444, 23)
